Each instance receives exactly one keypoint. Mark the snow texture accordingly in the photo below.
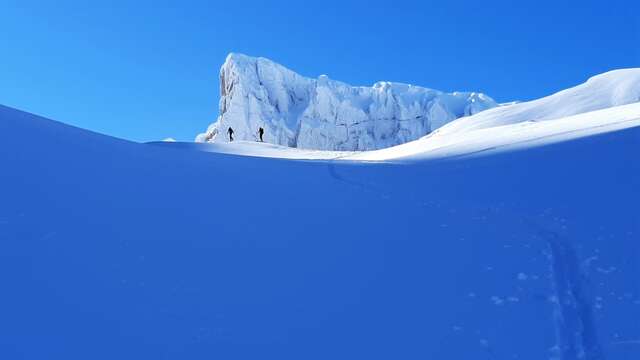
(509, 137)
(614, 88)
(325, 114)
(606, 102)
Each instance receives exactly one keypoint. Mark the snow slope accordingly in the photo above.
(258, 149)
(325, 114)
(116, 250)
(614, 88)
(606, 102)
(508, 137)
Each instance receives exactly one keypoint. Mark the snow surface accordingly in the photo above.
(117, 250)
(614, 88)
(260, 149)
(325, 114)
(509, 137)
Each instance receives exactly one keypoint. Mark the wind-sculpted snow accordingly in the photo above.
(325, 114)
(509, 137)
(614, 88)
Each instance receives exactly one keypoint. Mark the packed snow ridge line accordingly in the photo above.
(325, 114)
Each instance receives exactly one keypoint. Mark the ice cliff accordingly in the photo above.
(326, 114)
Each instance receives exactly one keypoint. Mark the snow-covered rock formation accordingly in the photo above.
(326, 114)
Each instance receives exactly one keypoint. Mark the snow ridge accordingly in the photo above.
(610, 89)
(326, 114)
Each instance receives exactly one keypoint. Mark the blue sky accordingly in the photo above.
(147, 70)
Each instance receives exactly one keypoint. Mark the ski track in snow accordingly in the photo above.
(575, 330)
(627, 342)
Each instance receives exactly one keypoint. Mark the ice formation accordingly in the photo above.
(325, 114)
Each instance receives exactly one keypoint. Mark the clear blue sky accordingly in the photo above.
(146, 70)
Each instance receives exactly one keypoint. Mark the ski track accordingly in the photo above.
(575, 330)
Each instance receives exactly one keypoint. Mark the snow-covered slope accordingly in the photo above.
(614, 88)
(259, 149)
(508, 137)
(325, 114)
(116, 250)
(606, 102)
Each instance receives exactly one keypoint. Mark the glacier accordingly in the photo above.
(326, 114)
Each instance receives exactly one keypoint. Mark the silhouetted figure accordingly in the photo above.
(230, 132)
(261, 132)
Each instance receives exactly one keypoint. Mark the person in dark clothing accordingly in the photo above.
(230, 132)
(261, 132)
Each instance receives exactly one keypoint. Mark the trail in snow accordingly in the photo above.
(576, 333)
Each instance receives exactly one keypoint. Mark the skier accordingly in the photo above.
(261, 132)
(230, 132)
